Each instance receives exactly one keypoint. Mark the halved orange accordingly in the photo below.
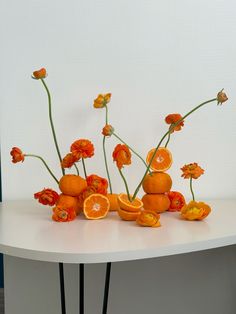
(128, 216)
(125, 204)
(162, 160)
(96, 206)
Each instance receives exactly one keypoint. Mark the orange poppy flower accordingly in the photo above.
(63, 214)
(148, 218)
(82, 149)
(47, 197)
(192, 170)
(107, 130)
(221, 97)
(195, 211)
(102, 100)
(68, 161)
(17, 155)
(40, 74)
(121, 155)
(177, 201)
(98, 183)
(174, 118)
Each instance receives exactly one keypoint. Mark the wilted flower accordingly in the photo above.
(148, 218)
(68, 161)
(63, 214)
(221, 97)
(195, 211)
(47, 197)
(121, 155)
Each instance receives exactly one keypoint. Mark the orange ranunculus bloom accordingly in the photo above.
(192, 171)
(63, 214)
(98, 183)
(68, 161)
(177, 201)
(102, 100)
(195, 211)
(82, 149)
(40, 74)
(174, 118)
(107, 130)
(121, 155)
(148, 218)
(221, 97)
(47, 197)
(89, 190)
(17, 155)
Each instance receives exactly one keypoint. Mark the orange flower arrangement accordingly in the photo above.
(77, 189)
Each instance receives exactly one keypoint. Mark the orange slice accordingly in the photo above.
(96, 206)
(125, 204)
(113, 199)
(162, 160)
(128, 216)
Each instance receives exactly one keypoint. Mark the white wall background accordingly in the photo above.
(156, 57)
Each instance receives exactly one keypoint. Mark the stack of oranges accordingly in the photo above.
(158, 183)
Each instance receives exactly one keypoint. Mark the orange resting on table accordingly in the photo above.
(68, 201)
(125, 204)
(162, 160)
(156, 202)
(96, 206)
(129, 216)
(148, 218)
(71, 184)
(113, 199)
(157, 183)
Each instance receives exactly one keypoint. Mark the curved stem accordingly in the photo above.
(168, 139)
(45, 164)
(106, 114)
(106, 164)
(126, 185)
(83, 163)
(164, 136)
(131, 149)
(191, 188)
(77, 169)
(51, 122)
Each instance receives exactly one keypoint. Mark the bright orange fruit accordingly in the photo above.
(113, 199)
(96, 206)
(156, 202)
(128, 216)
(125, 204)
(71, 184)
(162, 160)
(68, 201)
(157, 183)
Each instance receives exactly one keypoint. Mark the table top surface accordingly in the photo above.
(27, 231)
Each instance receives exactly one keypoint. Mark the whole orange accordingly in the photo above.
(157, 182)
(156, 202)
(69, 202)
(72, 185)
(113, 199)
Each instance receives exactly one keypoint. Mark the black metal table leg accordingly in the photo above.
(62, 288)
(81, 289)
(106, 289)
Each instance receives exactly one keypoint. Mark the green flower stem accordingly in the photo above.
(163, 137)
(45, 164)
(83, 163)
(191, 188)
(106, 164)
(168, 139)
(131, 149)
(51, 122)
(126, 185)
(106, 114)
(77, 169)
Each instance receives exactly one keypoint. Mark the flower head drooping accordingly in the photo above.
(47, 197)
(17, 155)
(195, 211)
(121, 155)
(108, 130)
(173, 118)
(192, 170)
(63, 214)
(68, 161)
(39, 74)
(102, 100)
(221, 97)
(99, 184)
(82, 149)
